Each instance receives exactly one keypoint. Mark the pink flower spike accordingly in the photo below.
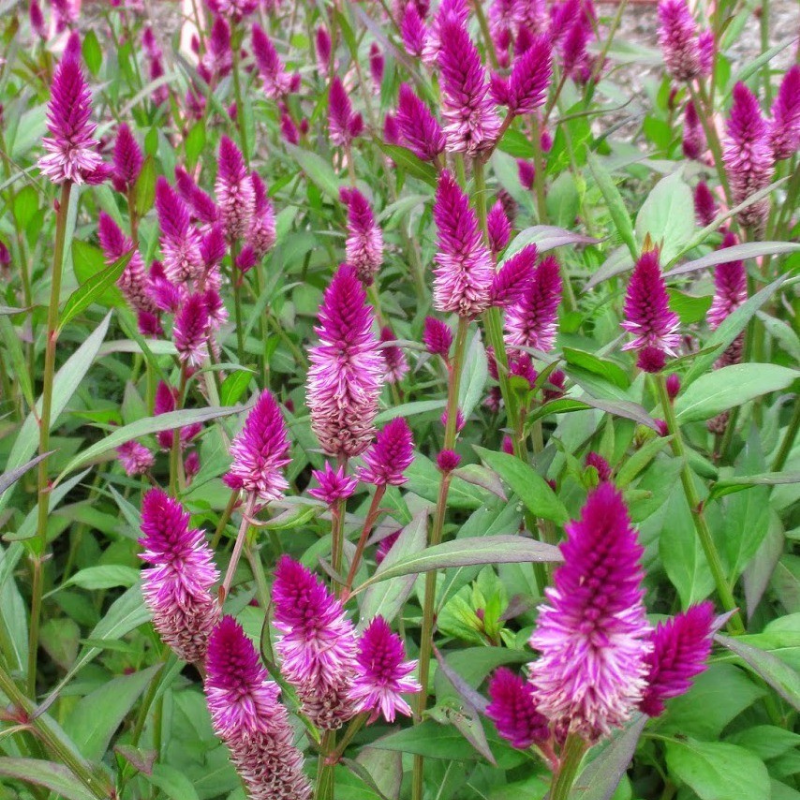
(390, 455)
(133, 281)
(334, 485)
(514, 278)
(318, 646)
(190, 331)
(418, 126)
(413, 31)
(784, 129)
(135, 458)
(395, 358)
(437, 337)
(455, 11)
(532, 321)
(647, 313)
(600, 464)
(38, 25)
(376, 65)
(705, 206)
(247, 715)
(343, 123)
(347, 369)
(234, 10)
(694, 140)
(128, 158)
(499, 228)
(180, 241)
(177, 587)
(262, 234)
(384, 675)
(219, 58)
(677, 35)
(289, 129)
(527, 173)
(71, 150)
(364, 244)
(270, 66)
(513, 710)
(234, 190)
(530, 78)
(463, 277)
(260, 451)
(593, 634)
(681, 647)
(322, 41)
(730, 286)
(213, 247)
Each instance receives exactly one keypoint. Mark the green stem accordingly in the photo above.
(224, 519)
(538, 172)
(325, 783)
(735, 625)
(236, 280)
(486, 34)
(571, 757)
(372, 515)
(788, 439)
(237, 93)
(706, 113)
(241, 536)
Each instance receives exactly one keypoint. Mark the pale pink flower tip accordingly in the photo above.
(177, 587)
(247, 715)
(71, 149)
(593, 634)
(135, 458)
(384, 675)
(234, 190)
(260, 452)
(677, 34)
(334, 484)
(390, 455)
(513, 710)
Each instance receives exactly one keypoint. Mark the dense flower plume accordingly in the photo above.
(437, 337)
(393, 356)
(177, 587)
(532, 320)
(513, 710)
(784, 128)
(389, 456)
(677, 34)
(418, 127)
(270, 66)
(234, 190)
(334, 484)
(730, 286)
(364, 245)
(514, 277)
(128, 160)
(180, 240)
(344, 124)
(133, 280)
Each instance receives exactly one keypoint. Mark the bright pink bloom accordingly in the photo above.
(218, 61)
(344, 124)
(681, 647)
(133, 281)
(395, 358)
(389, 456)
(532, 320)
(499, 228)
(673, 385)
(513, 710)
(334, 484)
(784, 129)
(730, 286)
(203, 208)
(677, 34)
(322, 41)
(391, 130)
(437, 337)
(705, 206)
(234, 190)
(128, 159)
(647, 313)
(748, 155)
(289, 129)
(72, 154)
(38, 25)
(364, 244)
(706, 46)
(527, 173)
(384, 675)
(165, 401)
(515, 276)
(463, 277)
(472, 124)
(347, 369)
(213, 247)
(260, 452)
(177, 587)
(248, 717)
(384, 546)
(593, 636)
(180, 240)
(262, 234)
(413, 31)
(694, 140)
(575, 60)
(190, 331)
(376, 65)
(270, 66)
(318, 646)
(455, 11)
(418, 126)
(135, 458)
(234, 10)
(600, 464)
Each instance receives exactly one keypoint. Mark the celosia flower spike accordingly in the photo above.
(318, 645)
(128, 159)
(390, 455)
(247, 715)
(418, 127)
(532, 320)
(437, 337)
(694, 140)
(177, 587)
(234, 190)
(344, 124)
(784, 128)
(463, 277)
(234, 10)
(364, 243)
(384, 675)
(412, 30)
(514, 278)
(190, 331)
(262, 234)
(270, 66)
(498, 228)
(395, 358)
(347, 369)
(135, 458)
(180, 241)
(705, 207)
(513, 710)
(593, 635)
(133, 281)
(530, 77)
(730, 286)
(677, 35)
(260, 451)
(334, 485)
(681, 647)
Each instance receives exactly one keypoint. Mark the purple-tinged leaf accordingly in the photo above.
(738, 252)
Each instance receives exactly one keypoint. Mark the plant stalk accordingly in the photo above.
(571, 757)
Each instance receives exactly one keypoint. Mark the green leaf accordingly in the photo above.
(26, 204)
(563, 201)
(640, 460)
(739, 252)
(667, 216)
(317, 169)
(106, 576)
(616, 205)
(8, 479)
(410, 410)
(172, 782)
(469, 553)
(531, 487)
(409, 163)
(726, 388)
(609, 370)
(718, 771)
(473, 377)
(60, 640)
(234, 386)
(740, 483)
(91, 291)
(779, 675)
(689, 309)
(194, 144)
(145, 427)
(145, 189)
(92, 53)
(545, 237)
(54, 777)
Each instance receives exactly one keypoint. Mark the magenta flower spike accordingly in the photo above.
(191, 329)
(262, 234)
(344, 124)
(472, 126)
(514, 278)
(681, 647)
(437, 337)
(389, 456)
(135, 458)
(384, 546)
(347, 369)
(705, 206)
(463, 277)
(234, 10)
(364, 243)
(647, 313)
(247, 715)
(36, 17)
(322, 42)
(420, 130)
(177, 587)
(395, 358)
(532, 320)
(219, 58)
(600, 464)
(71, 150)
(574, 58)
(384, 675)
(677, 35)
(455, 11)
(165, 401)
(260, 451)
(234, 190)
(730, 286)
(270, 66)
(413, 31)
(133, 281)
(318, 646)
(127, 160)
(593, 635)
(376, 65)
(498, 227)
(784, 128)
(180, 241)
(334, 484)
(747, 154)
(391, 130)
(694, 139)
(513, 710)
(289, 129)
(213, 247)
(527, 173)
(707, 47)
